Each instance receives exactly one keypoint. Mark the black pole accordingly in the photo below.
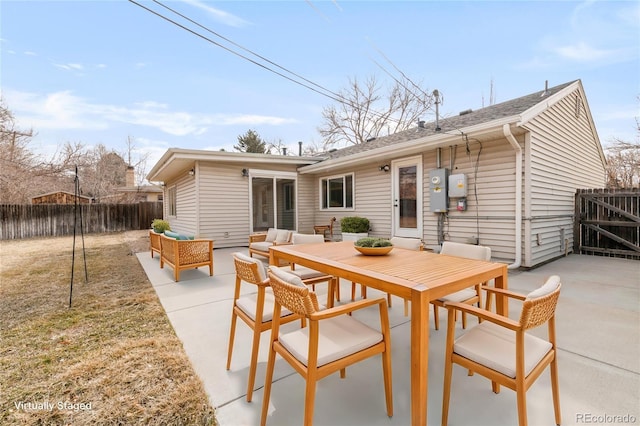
(76, 212)
(73, 249)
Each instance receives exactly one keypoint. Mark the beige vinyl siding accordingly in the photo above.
(372, 199)
(495, 206)
(224, 213)
(306, 205)
(224, 204)
(184, 220)
(564, 156)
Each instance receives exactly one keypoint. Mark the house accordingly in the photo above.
(504, 176)
(59, 197)
(132, 193)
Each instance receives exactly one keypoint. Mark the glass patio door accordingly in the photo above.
(273, 201)
(407, 197)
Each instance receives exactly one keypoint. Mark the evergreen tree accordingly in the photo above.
(251, 142)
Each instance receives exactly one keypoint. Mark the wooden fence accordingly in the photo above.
(607, 222)
(19, 221)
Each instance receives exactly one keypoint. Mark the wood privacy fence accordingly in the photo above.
(48, 220)
(607, 222)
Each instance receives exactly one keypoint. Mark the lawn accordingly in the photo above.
(112, 358)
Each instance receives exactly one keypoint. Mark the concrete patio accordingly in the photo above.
(598, 332)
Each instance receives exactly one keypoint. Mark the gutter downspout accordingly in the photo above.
(506, 130)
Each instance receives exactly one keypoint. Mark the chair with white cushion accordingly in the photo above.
(311, 276)
(255, 309)
(501, 350)
(470, 295)
(331, 342)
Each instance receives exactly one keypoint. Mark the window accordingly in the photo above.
(171, 198)
(336, 192)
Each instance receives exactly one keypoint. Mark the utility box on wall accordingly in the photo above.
(457, 185)
(438, 200)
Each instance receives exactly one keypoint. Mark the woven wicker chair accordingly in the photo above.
(154, 243)
(255, 309)
(468, 295)
(310, 276)
(331, 342)
(500, 349)
(186, 254)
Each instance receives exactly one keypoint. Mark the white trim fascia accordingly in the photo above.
(173, 154)
(408, 148)
(547, 103)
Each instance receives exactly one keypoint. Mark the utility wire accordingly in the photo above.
(234, 52)
(246, 49)
(320, 89)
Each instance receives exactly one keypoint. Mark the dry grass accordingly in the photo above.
(113, 358)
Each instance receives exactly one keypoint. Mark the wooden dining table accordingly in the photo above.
(417, 276)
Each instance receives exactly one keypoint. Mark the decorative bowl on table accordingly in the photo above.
(373, 246)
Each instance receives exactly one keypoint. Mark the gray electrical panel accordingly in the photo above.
(438, 201)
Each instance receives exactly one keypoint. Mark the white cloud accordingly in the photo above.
(64, 110)
(219, 15)
(29, 53)
(583, 52)
(596, 33)
(70, 66)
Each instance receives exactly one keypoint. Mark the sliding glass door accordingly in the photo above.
(273, 200)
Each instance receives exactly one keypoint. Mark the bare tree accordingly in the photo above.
(365, 113)
(623, 170)
(623, 158)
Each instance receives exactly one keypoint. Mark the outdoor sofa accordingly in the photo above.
(183, 254)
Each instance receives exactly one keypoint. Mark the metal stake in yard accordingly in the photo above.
(77, 212)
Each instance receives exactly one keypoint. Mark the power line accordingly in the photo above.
(321, 90)
(231, 50)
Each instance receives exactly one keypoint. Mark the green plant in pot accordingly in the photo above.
(373, 242)
(160, 225)
(354, 228)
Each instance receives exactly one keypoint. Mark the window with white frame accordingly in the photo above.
(336, 192)
(171, 201)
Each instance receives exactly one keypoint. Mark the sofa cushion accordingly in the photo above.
(272, 233)
(283, 236)
(261, 246)
(171, 234)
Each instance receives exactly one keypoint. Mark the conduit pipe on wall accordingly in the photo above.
(506, 130)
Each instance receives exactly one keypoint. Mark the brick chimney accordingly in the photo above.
(130, 179)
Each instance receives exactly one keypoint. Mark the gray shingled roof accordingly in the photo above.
(452, 124)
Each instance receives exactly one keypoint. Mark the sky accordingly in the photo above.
(101, 72)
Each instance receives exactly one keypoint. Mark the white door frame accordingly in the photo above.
(396, 165)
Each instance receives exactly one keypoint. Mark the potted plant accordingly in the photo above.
(160, 225)
(354, 227)
(373, 246)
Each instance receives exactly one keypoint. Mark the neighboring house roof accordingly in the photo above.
(486, 122)
(60, 192)
(147, 189)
